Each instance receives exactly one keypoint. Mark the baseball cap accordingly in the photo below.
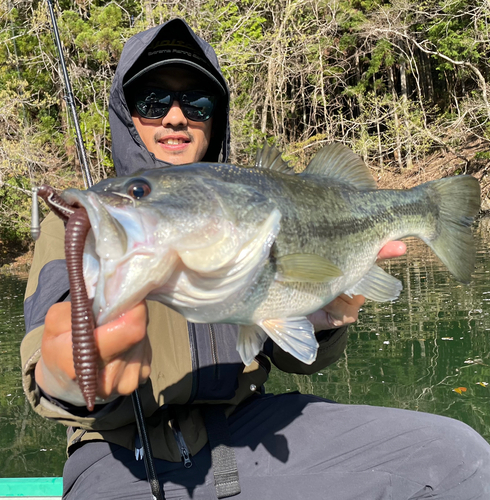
(171, 51)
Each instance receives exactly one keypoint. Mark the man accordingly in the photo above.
(169, 105)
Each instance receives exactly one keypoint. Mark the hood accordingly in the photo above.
(128, 150)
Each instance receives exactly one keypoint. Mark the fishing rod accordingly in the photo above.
(70, 100)
(144, 449)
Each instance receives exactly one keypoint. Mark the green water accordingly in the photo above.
(29, 444)
(410, 354)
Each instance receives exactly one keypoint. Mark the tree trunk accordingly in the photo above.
(404, 91)
(397, 152)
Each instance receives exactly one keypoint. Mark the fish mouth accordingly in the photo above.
(120, 240)
(106, 230)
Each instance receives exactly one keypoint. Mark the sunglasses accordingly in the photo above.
(154, 103)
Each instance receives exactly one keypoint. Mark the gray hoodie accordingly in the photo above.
(128, 151)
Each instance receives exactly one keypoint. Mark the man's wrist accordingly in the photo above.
(65, 390)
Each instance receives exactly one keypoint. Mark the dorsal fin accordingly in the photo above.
(269, 158)
(339, 162)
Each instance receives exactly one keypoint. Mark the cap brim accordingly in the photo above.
(183, 62)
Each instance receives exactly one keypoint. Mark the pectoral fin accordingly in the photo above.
(293, 335)
(251, 338)
(305, 267)
(377, 285)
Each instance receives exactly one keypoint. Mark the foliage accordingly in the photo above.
(395, 80)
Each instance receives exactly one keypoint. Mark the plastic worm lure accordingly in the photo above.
(85, 354)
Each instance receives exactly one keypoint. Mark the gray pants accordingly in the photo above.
(296, 446)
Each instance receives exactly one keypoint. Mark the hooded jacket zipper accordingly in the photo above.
(214, 350)
(184, 451)
(191, 329)
(212, 337)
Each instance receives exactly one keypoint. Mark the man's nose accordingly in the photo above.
(175, 116)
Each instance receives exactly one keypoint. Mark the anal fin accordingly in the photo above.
(250, 341)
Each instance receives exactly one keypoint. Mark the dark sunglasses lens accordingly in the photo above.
(197, 106)
(154, 104)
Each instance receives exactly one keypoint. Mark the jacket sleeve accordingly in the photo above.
(332, 344)
(48, 284)
(48, 278)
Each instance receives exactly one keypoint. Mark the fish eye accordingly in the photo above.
(139, 189)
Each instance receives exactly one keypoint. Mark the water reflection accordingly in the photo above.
(29, 444)
(414, 352)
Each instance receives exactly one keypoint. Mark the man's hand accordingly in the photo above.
(124, 355)
(344, 310)
(392, 249)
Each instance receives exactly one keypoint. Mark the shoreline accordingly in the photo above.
(18, 266)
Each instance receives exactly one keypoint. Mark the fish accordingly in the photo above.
(263, 247)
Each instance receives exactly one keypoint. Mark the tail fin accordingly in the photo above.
(459, 202)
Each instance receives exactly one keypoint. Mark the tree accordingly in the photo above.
(395, 80)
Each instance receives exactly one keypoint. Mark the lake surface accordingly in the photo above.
(428, 351)
(29, 444)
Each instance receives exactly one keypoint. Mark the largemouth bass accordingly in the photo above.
(263, 247)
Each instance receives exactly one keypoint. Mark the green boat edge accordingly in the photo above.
(31, 487)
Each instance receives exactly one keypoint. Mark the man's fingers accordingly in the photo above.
(341, 311)
(56, 347)
(112, 339)
(122, 334)
(392, 249)
(344, 310)
(123, 375)
(58, 320)
(124, 353)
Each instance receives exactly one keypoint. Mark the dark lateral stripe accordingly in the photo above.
(53, 286)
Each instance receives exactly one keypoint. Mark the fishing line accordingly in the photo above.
(156, 490)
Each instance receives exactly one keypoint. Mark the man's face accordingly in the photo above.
(174, 138)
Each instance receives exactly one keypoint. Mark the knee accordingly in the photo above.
(463, 455)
